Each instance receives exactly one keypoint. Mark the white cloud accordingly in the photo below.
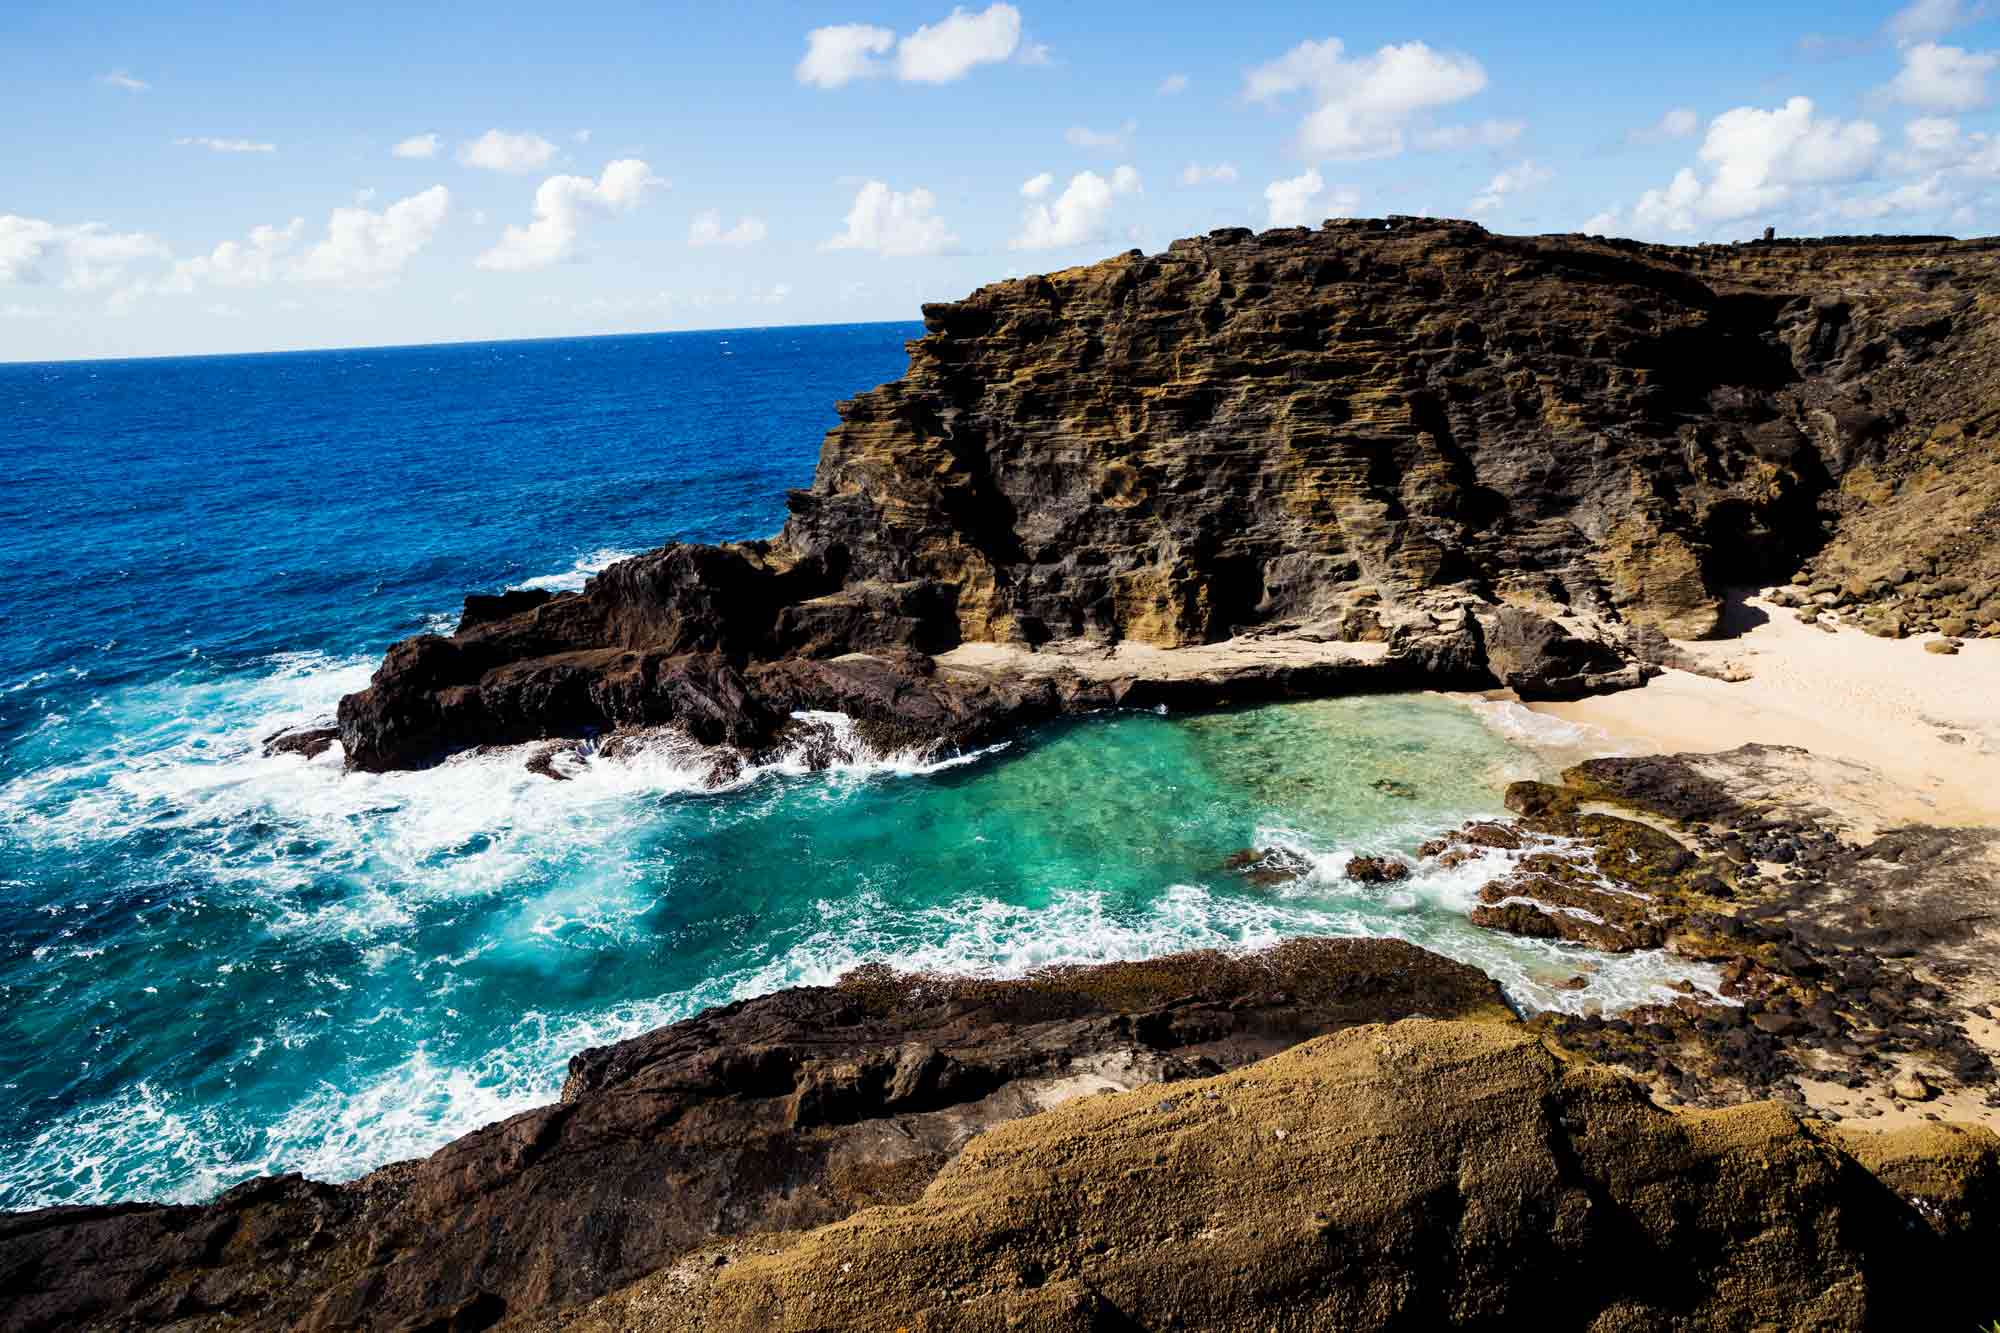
(1521, 176)
(222, 311)
(418, 146)
(364, 248)
(1194, 173)
(581, 136)
(1757, 158)
(1943, 78)
(774, 294)
(1928, 195)
(1928, 19)
(1677, 123)
(1081, 136)
(837, 55)
(118, 78)
(1037, 185)
(893, 224)
(236, 263)
(1485, 134)
(1364, 105)
(1173, 85)
(707, 229)
(1287, 201)
(1601, 224)
(1035, 53)
(14, 310)
(952, 47)
(940, 52)
(83, 257)
(561, 205)
(497, 150)
(1078, 214)
(228, 145)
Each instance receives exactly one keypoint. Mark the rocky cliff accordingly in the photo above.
(1192, 1142)
(1376, 432)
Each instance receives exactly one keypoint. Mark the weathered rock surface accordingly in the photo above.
(773, 1114)
(1853, 961)
(1418, 1175)
(1359, 433)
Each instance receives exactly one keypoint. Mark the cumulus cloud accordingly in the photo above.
(366, 248)
(843, 52)
(1037, 185)
(940, 52)
(562, 203)
(1943, 78)
(1485, 134)
(1601, 224)
(118, 78)
(1929, 195)
(248, 263)
(1364, 105)
(707, 229)
(227, 145)
(1077, 215)
(497, 150)
(81, 257)
(417, 146)
(1514, 180)
(1173, 85)
(951, 48)
(893, 224)
(1287, 202)
(1756, 159)
(1082, 136)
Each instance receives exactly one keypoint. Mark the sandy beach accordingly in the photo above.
(1913, 735)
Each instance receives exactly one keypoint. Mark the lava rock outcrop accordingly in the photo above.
(1360, 433)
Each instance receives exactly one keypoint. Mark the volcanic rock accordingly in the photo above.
(1378, 432)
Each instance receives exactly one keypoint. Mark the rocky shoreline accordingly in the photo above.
(708, 1174)
(1488, 459)
(1381, 455)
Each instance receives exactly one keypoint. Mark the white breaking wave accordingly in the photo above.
(573, 578)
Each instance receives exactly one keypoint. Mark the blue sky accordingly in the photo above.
(203, 178)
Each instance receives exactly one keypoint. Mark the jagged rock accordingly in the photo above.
(769, 1115)
(305, 742)
(1366, 432)
(1376, 869)
(1539, 659)
(1942, 647)
(1385, 1178)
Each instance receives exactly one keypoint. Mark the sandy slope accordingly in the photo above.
(1929, 725)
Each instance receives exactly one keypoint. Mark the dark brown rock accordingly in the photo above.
(1365, 432)
(775, 1114)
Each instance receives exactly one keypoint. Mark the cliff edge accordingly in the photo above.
(1457, 456)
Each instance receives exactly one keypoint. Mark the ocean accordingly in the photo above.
(215, 965)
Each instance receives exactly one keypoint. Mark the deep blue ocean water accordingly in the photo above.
(214, 964)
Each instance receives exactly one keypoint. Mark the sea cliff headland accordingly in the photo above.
(1384, 454)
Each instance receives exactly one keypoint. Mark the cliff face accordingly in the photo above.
(1354, 434)
(1197, 1141)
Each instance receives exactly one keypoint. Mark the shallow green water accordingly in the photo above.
(263, 964)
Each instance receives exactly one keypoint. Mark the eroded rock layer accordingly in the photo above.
(773, 1114)
(1360, 433)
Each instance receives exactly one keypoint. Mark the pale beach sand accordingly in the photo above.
(1927, 724)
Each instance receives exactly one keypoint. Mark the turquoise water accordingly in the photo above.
(215, 965)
